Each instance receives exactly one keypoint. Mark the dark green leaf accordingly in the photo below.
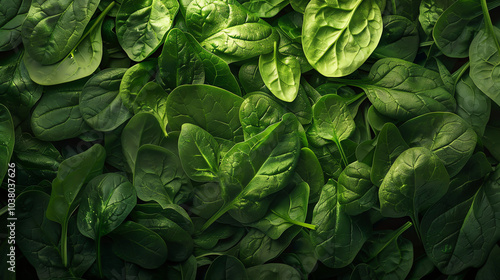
(137, 244)
(445, 134)
(211, 108)
(57, 116)
(100, 104)
(226, 268)
(158, 176)
(415, 181)
(338, 237)
(199, 153)
(141, 25)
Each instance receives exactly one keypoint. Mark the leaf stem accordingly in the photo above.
(398, 232)
(305, 225)
(64, 243)
(217, 215)
(288, 219)
(341, 150)
(426, 43)
(4, 210)
(96, 23)
(417, 226)
(489, 25)
(394, 8)
(460, 72)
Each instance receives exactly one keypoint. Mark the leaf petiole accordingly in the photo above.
(305, 225)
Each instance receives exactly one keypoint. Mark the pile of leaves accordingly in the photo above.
(224, 139)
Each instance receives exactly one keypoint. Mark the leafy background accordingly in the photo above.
(223, 139)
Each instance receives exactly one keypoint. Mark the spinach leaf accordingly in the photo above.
(66, 193)
(250, 78)
(81, 60)
(390, 145)
(199, 153)
(281, 74)
(332, 121)
(293, 48)
(289, 210)
(153, 99)
(13, 15)
(141, 25)
(484, 56)
(134, 79)
(448, 136)
(173, 212)
(388, 254)
(356, 192)
(137, 244)
(489, 140)
(470, 210)
(225, 268)
(309, 169)
(179, 63)
(399, 39)
(247, 169)
(7, 140)
(257, 248)
(57, 115)
(173, 235)
(257, 112)
(17, 91)
(109, 199)
(376, 120)
(217, 71)
(211, 108)
(53, 29)
(218, 238)
(36, 231)
(36, 160)
(299, 5)
(301, 254)
(158, 176)
(416, 180)
(81, 250)
(301, 106)
(430, 11)
(265, 9)
(227, 36)
(142, 129)
(456, 27)
(100, 104)
(338, 237)
(401, 90)
(446, 76)
(250, 139)
(184, 61)
(291, 25)
(38, 240)
(472, 105)
(337, 48)
(207, 200)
